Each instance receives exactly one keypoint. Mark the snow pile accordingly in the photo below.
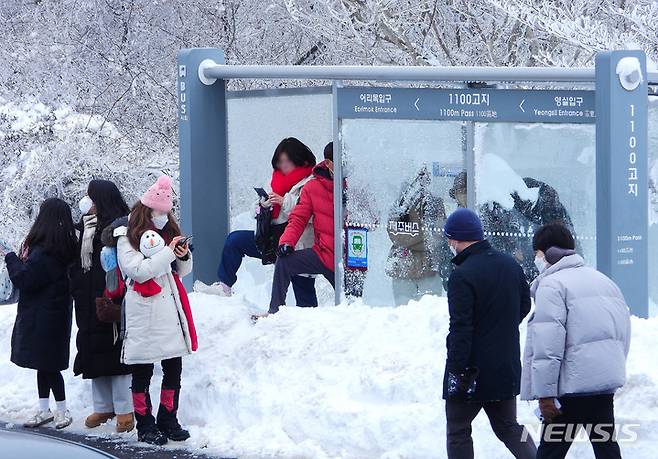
(498, 182)
(348, 381)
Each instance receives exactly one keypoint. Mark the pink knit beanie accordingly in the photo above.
(158, 196)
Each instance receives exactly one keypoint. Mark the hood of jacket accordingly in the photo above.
(324, 174)
(107, 236)
(568, 262)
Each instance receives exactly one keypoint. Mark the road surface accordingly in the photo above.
(118, 448)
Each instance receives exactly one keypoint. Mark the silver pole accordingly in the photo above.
(209, 71)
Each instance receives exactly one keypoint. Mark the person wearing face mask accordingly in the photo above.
(97, 342)
(159, 326)
(576, 346)
(488, 297)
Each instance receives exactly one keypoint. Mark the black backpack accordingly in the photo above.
(268, 235)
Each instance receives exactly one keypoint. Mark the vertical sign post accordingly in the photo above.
(622, 173)
(203, 160)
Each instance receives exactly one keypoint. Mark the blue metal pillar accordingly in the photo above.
(203, 160)
(622, 173)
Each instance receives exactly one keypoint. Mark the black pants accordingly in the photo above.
(171, 375)
(300, 262)
(588, 411)
(239, 244)
(51, 380)
(502, 417)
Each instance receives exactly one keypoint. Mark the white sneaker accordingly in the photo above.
(218, 288)
(39, 419)
(63, 419)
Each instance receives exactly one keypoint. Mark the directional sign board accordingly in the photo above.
(622, 175)
(504, 105)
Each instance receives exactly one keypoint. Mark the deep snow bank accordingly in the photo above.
(350, 381)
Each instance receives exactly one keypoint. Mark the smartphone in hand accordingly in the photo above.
(184, 241)
(262, 193)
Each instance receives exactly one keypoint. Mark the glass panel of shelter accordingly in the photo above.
(255, 127)
(402, 177)
(531, 174)
(398, 187)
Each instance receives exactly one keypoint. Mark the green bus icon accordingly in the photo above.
(357, 243)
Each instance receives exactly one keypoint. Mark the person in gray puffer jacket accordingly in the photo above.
(577, 342)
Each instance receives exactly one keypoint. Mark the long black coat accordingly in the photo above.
(488, 297)
(42, 331)
(98, 352)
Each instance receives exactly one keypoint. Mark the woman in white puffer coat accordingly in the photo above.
(158, 319)
(577, 342)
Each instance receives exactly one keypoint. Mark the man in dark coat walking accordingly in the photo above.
(488, 297)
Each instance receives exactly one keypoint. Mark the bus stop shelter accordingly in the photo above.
(498, 140)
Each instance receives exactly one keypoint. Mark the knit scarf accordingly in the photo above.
(87, 246)
(283, 183)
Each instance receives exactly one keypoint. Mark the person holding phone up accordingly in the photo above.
(292, 165)
(158, 319)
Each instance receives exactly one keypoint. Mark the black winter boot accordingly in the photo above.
(147, 430)
(167, 416)
(152, 436)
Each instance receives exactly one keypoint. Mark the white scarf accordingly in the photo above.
(87, 246)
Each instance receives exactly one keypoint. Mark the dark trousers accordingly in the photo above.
(300, 262)
(588, 411)
(171, 374)
(502, 417)
(239, 244)
(51, 380)
(169, 391)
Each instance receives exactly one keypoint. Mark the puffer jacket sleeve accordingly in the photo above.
(29, 275)
(548, 340)
(139, 268)
(627, 336)
(184, 267)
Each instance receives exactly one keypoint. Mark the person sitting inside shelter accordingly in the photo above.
(292, 165)
(317, 203)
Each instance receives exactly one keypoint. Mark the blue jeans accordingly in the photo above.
(243, 243)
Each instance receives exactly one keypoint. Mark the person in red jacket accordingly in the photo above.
(317, 202)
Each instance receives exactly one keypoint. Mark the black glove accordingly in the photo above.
(284, 250)
(462, 384)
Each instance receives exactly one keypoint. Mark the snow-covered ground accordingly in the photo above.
(349, 381)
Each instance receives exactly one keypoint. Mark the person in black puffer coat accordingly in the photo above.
(42, 331)
(98, 343)
(488, 297)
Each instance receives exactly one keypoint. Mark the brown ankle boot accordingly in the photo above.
(96, 419)
(125, 422)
